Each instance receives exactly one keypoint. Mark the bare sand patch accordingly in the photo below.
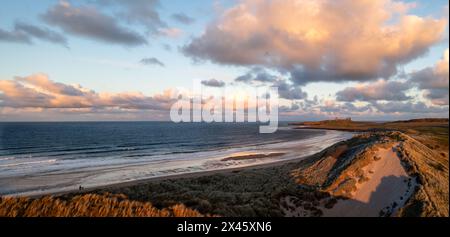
(387, 187)
(247, 156)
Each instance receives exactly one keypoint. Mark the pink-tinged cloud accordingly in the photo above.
(322, 40)
(409, 108)
(373, 91)
(171, 32)
(38, 91)
(382, 109)
(435, 81)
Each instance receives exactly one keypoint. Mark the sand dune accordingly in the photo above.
(387, 188)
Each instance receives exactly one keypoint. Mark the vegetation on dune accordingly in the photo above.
(431, 168)
(350, 156)
(88, 205)
(423, 150)
(257, 192)
(338, 171)
(248, 193)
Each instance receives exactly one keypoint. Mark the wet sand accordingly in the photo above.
(229, 171)
(253, 156)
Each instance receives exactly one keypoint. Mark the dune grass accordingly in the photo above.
(88, 205)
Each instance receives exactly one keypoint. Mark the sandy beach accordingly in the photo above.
(192, 175)
(63, 180)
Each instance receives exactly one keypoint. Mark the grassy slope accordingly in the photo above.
(424, 148)
(432, 169)
(88, 205)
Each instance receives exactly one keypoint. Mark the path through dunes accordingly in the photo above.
(386, 188)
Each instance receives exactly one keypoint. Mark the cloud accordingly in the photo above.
(437, 96)
(287, 109)
(318, 40)
(16, 95)
(38, 91)
(14, 36)
(308, 104)
(87, 21)
(344, 110)
(286, 90)
(41, 33)
(82, 114)
(42, 81)
(213, 83)
(144, 13)
(24, 33)
(435, 81)
(152, 61)
(183, 18)
(379, 90)
(138, 11)
(170, 32)
(408, 107)
(246, 78)
(256, 74)
(289, 91)
(393, 110)
(376, 109)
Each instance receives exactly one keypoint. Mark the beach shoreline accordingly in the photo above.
(61, 182)
(226, 171)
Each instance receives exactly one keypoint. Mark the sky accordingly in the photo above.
(119, 60)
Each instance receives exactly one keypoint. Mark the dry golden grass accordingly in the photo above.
(88, 205)
(345, 182)
(432, 170)
(317, 173)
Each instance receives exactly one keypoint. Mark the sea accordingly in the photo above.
(48, 157)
